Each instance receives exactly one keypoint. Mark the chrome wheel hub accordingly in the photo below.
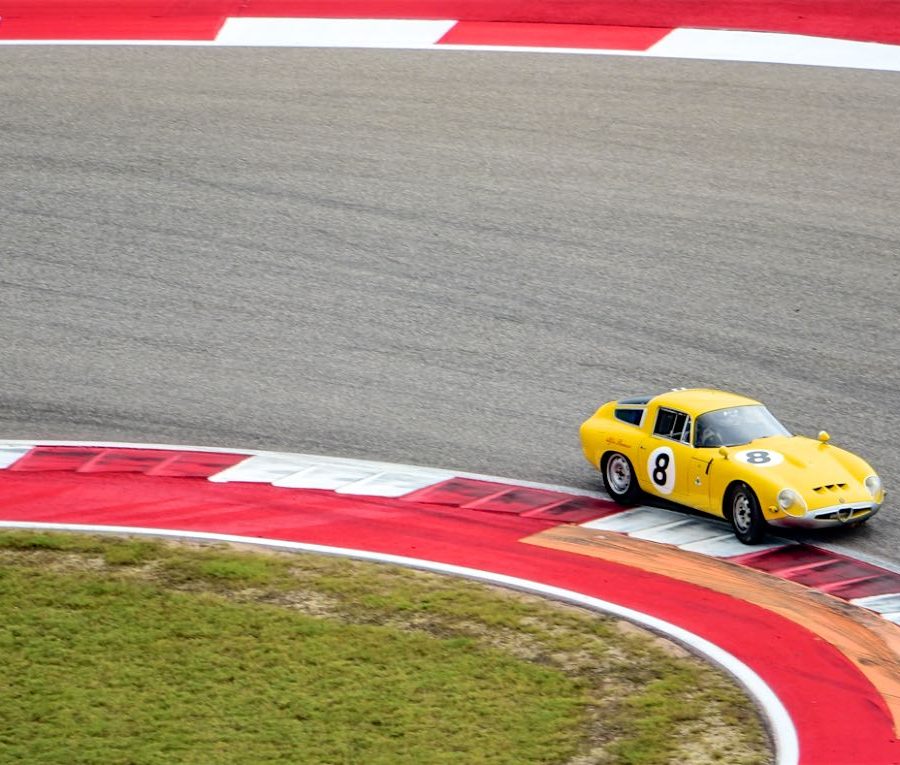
(618, 473)
(741, 512)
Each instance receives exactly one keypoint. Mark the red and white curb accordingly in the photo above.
(584, 39)
(838, 573)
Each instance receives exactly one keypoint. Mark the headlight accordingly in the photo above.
(791, 502)
(873, 484)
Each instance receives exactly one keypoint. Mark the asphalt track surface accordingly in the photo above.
(443, 258)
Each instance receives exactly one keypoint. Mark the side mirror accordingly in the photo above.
(823, 437)
(723, 451)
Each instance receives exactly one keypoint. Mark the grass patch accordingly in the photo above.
(228, 570)
(137, 652)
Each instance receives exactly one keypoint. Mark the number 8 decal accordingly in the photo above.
(661, 469)
(760, 457)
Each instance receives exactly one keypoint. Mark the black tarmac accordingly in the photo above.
(443, 258)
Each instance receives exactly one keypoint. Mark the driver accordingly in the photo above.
(707, 436)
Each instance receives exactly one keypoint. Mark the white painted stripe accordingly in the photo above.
(783, 731)
(681, 532)
(332, 33)
(394, 484)
(776, 48)
(10, 454)
(263, 468)
(883, 604)
(326, 475)
(697, 535)
(636, 519)
(357, 477)
(728, 546)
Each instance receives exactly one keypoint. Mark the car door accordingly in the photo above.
(699, 479)
(667, 456)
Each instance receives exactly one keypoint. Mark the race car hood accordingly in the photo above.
(823, 474)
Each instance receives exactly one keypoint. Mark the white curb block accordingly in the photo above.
(407, 34)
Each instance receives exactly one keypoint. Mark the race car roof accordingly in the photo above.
(696, 401)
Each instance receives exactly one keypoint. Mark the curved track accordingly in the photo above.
(442, 258)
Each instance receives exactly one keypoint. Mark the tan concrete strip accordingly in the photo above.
(867, 640)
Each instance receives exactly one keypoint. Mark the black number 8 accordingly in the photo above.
(758, 458)
(659, 469)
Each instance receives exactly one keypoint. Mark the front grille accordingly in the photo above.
(856, 512)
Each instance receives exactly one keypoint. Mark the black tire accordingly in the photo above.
(742, 509)
(619, 478)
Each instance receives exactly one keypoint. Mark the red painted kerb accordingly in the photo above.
(867, 20)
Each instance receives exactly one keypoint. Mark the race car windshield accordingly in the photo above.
(735, 426)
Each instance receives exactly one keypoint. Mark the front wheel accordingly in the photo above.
(619, 479)
(745, 516)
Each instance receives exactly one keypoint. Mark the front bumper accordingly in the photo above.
(828, 517)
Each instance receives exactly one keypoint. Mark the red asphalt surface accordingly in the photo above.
(868, 20)
(839, 716)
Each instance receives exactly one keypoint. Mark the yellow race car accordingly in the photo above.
(727, 455)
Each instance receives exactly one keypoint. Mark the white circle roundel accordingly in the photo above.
(759, 457)
(661, 469)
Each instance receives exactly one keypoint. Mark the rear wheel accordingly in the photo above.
(745, 515)
(619, 479)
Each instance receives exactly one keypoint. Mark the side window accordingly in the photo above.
(665, 423)
(631, 416)
(674, 425)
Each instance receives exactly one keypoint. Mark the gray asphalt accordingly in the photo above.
(442, 258)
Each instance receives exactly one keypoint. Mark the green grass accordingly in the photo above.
(136, 652)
